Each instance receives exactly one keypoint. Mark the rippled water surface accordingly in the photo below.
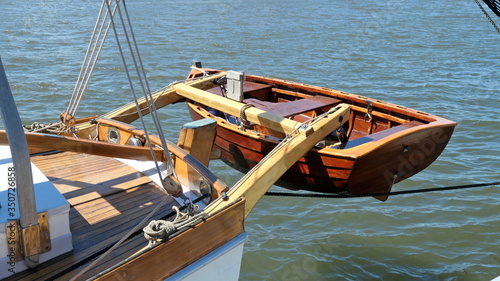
(438, 57)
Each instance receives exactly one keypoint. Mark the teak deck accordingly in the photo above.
(107, 198)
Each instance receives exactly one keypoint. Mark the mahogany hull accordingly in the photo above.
(375, 172)
(400, 143)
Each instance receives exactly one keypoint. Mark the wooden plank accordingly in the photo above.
(168, 258)
(128, 113)
(60, 143)
(81, 177)
(96, 223)
(231, 107)
(291, 108)
(255, 183)
(127, 249)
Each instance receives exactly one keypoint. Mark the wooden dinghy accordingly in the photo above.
(380, 145)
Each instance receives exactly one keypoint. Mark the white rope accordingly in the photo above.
(141, 73)
(159, 230)
(83, 79)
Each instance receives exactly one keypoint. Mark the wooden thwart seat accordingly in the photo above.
(291, 108)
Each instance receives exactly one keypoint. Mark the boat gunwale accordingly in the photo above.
(382, 105)
(352, 153)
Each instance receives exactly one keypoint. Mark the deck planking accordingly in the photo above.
(107, 198)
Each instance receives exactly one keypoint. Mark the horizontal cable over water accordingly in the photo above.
(323, 195)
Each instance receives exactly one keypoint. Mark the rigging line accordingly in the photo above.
(147, 93)
(84, 81)
(73, 96)
(132, 89)
(155, 96)
(94, 58)
(413, 191)
(106, 248)
(488, 16)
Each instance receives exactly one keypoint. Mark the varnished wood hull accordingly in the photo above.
(370, 165)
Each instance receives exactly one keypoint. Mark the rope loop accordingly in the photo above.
(244, 122)
(54, 128)
(158, 230)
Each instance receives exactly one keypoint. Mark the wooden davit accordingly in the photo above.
(380, 145)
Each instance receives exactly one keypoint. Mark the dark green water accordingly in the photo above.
(438, 57)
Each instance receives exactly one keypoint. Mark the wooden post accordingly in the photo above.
(24, 181)
(197, 139)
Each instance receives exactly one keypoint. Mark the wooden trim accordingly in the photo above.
(218, 185)
(60, 143)
(255, 183)
(197, 139)
(231, 107)
(170, 257)
(128, 112)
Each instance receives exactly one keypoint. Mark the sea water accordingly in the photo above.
(438, 57)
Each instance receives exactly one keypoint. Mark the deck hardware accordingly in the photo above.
(205, 189)
(113, 135)
(134, 141)
(235, 82)
(369, 108)
(406, 148)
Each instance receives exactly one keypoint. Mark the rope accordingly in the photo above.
(125, 237)
(134, 54)
(322, 195)
(244, 122)
(105, 249)
(91, 57)
(158, 230)
(54, 128)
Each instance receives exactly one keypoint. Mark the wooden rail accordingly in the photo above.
(60, 143)
(232, 107)
(256, 182)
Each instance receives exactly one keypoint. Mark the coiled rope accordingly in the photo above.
(158, 230)
(413, 191)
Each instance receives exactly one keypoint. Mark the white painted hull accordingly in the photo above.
(222, 264)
